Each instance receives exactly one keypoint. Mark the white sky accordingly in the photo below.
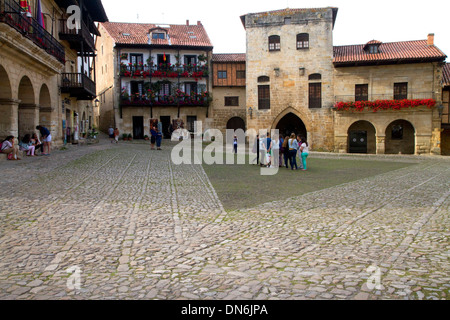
(357, 21)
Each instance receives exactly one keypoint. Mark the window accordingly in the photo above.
(274, 43)
(190, 88)
(397, 132)
(222, 74)
(373, 49)
(137, 88)
(240, 74)
(361, 92)
(190, 60)
(287, 20)
(401, 91)
(231, 101)
(303, 41)
(165, 89)
(315, 76)
(263, 79)
(136, 60)
(263, 97)
(191, 123)
(315, 95)
(158, 35)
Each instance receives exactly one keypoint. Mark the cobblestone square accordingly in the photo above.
(122, 222)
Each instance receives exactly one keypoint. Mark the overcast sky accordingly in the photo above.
(358, 21)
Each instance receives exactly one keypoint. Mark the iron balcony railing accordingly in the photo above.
(194, 100)
(375, 97)
(12, 14)
(164, 71)
(77, 81)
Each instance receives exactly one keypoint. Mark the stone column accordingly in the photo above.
(9, 120)
(381, 144)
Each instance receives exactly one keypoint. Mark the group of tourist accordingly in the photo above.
(29, 143)
(113, 135)
(288, 149)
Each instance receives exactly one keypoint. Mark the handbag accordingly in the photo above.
(10, 156)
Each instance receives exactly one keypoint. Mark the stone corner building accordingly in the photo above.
(297, 81)
(153, 73)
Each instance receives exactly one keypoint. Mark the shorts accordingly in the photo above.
(48, 139)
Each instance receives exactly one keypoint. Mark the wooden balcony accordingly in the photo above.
(78, 85)
(77, 37)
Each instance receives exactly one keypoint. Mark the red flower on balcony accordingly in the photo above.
(384, 104)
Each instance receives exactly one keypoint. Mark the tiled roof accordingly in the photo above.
(138, 34)
(446, 75)
(229, 57)
(394, 52)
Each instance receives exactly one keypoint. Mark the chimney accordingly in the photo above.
(199, 23)
(187, 22)
(430, 41)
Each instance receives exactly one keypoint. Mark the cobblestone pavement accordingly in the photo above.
(122, 222)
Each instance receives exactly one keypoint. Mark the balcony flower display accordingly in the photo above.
(384, 105)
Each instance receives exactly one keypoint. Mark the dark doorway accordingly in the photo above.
(358, 142)
(138, 127)
(236, 123)
(165, 120)
(362, 138)
(289, 124)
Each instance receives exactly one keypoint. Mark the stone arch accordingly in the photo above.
(400, 137)
(235, 123)
(45, 106)
(5, 85)
(28, 109)
(8, 106)
(361, 136)
(295, 112)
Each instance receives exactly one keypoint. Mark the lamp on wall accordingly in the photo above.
(97, 103)
(440, 110)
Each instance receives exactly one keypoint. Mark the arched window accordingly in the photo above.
(274, 43)
(303, 41)
(315, 76)
(263, 79)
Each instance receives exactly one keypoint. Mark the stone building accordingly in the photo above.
(445, 111)
(229, 94)
(45, 75)
(297, 81)
(153, 73)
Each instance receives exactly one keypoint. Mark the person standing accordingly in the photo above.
(256, 149)
(158, 138)
(293, 147)
(116, 135)
(299, 152)
(235, 144)
(286, 151)
(305, 152)
(46, 138)
(111, 134)
(275, 152)
(153, 137)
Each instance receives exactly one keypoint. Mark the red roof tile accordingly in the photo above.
(229, 57)
(446, 75)
(394, 52)
(178, 35)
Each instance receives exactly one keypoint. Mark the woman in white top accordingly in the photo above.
(304, 148)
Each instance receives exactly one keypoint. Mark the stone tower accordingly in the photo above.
(290, 72)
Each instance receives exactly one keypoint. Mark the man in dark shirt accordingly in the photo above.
(46, 138)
